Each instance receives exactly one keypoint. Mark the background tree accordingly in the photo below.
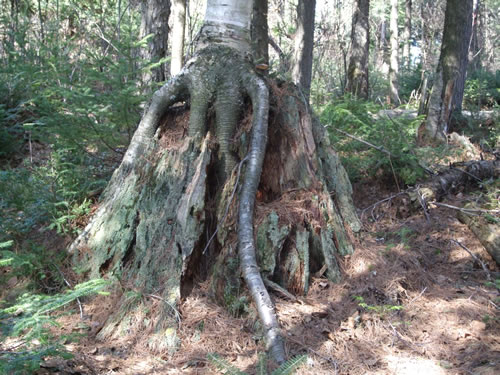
(431, 29)
(260, 32)
(448, 90)
(154, 23)
(394, 61)
(407, 34)
(303, 45)
(357, 74)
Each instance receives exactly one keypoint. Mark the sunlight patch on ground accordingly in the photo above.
(413, 366)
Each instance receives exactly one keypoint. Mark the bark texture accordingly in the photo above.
(260, 32)
(357, 73)
(462, 174)
(166, 199)
(448, 90)
(303, 45)
(154, 22)
(477, 44)
(487, 233)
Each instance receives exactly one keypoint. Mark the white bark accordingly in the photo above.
(234, 12)
(228, 22)
(178, 27)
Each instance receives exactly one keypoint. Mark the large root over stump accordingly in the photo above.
(175, 186)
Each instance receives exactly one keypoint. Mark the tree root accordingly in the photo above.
(216, 76)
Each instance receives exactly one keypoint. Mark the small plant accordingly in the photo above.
(495, 284)
(286, 368)
(381, 310)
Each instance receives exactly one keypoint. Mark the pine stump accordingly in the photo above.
(169, 219)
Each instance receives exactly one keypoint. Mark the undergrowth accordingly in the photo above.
(25, 323)
(71, 100)
(396, 136)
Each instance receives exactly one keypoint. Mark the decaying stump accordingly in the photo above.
(156, 217)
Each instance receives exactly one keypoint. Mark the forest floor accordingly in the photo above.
(412, 301)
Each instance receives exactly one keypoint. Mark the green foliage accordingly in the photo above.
(286, 368)
(75, 96)
(29, 320)
(410, 81)
(53, 192)
(360, 119)
(33, 264)
(482, 90)
(381, 310)
(223, 365)
(493, 284)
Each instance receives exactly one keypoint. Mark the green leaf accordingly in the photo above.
(291, 365)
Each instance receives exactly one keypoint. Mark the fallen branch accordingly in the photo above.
(465, 210)
(485, 269)
(280, 289)
(374, 205)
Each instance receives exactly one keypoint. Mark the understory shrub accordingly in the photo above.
(363, 120)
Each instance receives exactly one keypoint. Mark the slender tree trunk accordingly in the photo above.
(394, 62)
(447, 93)
(154, 22)
(40, 19)
(477, 40)
(407, 35)
(357, 74)
(426, 48)
(178, 30)
(14, 16)
(490, 60)
(303, 46)
(382, 50)
(260, 32)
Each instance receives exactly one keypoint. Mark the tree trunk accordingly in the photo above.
(407, 35)
(448, 90)
(260, 32)
(490, 60)
(167, 217)
(303, 46)
(154, 22)
(178, 27)
(394, 62)
(357, 74)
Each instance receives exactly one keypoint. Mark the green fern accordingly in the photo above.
(286, 368)
(29, 320)
(261, 365)
(222, 365)
(291, 365)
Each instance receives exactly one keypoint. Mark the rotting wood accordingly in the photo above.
(487, 233)
(447, 181)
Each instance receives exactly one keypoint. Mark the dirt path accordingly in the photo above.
(412, 302)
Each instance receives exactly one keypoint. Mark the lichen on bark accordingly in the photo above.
(175, 186)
